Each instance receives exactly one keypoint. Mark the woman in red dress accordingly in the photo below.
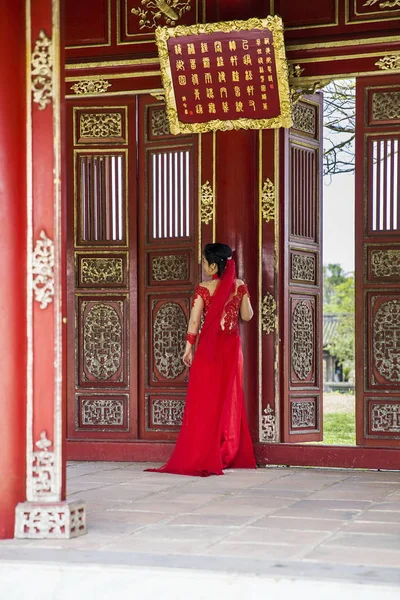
(214, 433)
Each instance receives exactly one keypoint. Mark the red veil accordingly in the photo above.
(214, 433)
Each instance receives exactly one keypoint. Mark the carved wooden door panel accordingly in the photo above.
(102, 273)
(168, 268)
(378, 261)
(301, 297)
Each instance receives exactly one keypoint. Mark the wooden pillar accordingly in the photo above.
(45, 514)
(12, 263)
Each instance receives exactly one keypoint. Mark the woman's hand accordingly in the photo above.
(188, 356)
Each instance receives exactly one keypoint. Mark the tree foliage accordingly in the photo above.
(339, 126)
(339, 300)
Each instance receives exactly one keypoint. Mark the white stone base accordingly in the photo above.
(52, 520)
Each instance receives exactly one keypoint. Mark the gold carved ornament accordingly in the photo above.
(43, 270)
(386, 340)
(42, 71)
(303, 267)
(269, 318)
(100, 125)
(171, 267)
(385, 263)
(304, 118)
(159, 123)
(102, 340)
(102, 412)
(385, 418)
(273, 24)
(268, 201)
(168, 412)
(302, 340)
(90, 86)
(303, 414)
(382, 4)
(152, 11)
(169, 338)
(207, 203)
(385, 106)
(389, 63)
(102, 270)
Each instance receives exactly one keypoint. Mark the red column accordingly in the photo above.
(12, 262)
(237, 226)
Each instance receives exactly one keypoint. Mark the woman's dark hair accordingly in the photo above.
(218, 254)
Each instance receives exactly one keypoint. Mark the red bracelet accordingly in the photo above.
(191, 338)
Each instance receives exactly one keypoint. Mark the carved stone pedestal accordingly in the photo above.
(58, 520)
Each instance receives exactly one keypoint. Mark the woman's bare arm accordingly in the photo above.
(246, 310)
(193, 328)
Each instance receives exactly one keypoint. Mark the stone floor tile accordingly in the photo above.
(360, 526)
(207, 520)
(347, 556)
(309, 524)
(365, 541)
(128, 517)
(263, 535)
(256, 551)
(307, 513)
(157, 546)
(381, 516)
(171, 508)
(312, 504)
(183, 532)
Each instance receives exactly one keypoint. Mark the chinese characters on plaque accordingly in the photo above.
(225, 76)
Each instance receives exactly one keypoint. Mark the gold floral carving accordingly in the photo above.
(91, 86)
(294, 70)
(268, 201)
(268, 425)
(42, 71)
(168, 412)
(385, 263)
(303, 414)
(159, 123)
(102, 270)
(100, 125)
(207, 203)
(385, 106)
(302, 89)
(303, 267)
(382, 4)
(304, 118)
(389, 62)
(302, 340)
(385, 417)
(268, 314)
(386, 340)
(102, 340)
(172, 267)
(274, 24)
(152, 11)
(169, 337)
(43, 270)
(102, 412)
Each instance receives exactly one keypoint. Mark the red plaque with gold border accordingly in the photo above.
(223, 76)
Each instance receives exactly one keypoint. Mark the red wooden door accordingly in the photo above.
(132, 266)
(168, 267)
(301, 298)
(378, 261)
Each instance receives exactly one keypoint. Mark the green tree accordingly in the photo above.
(339, 300)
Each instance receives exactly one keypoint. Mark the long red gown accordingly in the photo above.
(214, 433)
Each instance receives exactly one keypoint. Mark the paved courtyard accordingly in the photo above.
(312, 526)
